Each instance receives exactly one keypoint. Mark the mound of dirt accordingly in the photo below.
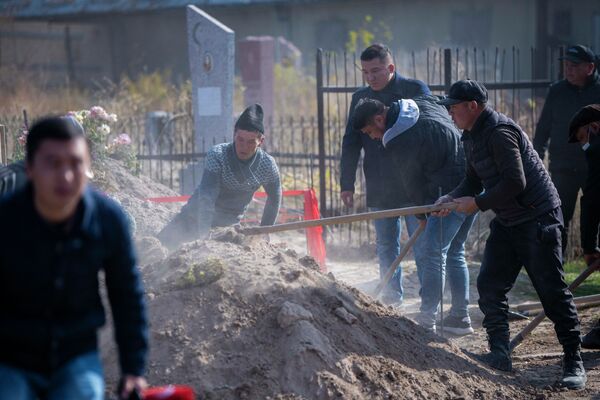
(111, 176)
(239, 318)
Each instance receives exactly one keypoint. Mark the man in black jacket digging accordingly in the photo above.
(506, 175)
(585, 129)
(386, 85)
(426, 154)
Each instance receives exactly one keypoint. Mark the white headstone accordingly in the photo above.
(211, 54)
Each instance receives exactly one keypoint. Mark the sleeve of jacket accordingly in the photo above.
(590, 223)
(544, 126)
(418, 88)
(470, 185)
(126, 295)
(507, 158)
(273, 189)
(351, 147)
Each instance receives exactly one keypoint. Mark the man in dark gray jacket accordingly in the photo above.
(232, 173)
(386, 85)
(426, 154)
(506, 175)
(580, 87)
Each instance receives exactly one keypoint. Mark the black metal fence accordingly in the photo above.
(517, 81)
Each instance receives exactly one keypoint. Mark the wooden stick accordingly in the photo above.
(345, 219)
(581, 300)
(392, 269)
(542, 315)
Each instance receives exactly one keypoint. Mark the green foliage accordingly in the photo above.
(368, 33)
(203, 273)
(590, 286)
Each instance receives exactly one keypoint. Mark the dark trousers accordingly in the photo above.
(537, 246)
(568, 184)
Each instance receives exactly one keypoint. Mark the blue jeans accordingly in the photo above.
(388, 232)
(455, 229)
(79, 379)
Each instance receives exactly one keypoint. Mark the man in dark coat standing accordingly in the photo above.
(580, 87)
(386, 85)
(506, 175)
(585, 129)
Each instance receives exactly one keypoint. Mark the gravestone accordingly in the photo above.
(211, 54)
(256, 59)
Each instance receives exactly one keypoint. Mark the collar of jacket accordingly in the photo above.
(592, 80)
(89, 224)
(478, 125)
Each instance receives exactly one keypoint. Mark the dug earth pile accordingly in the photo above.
(239, 318)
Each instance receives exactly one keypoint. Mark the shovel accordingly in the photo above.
(540, 317)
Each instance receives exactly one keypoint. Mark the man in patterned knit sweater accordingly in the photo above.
(232, 173)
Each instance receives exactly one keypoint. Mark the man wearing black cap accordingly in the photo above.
(386, 85)
(585, 129)
(506, 175)
(232, 173)
(580, 87)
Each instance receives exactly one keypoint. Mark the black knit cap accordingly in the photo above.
(586, 115)
(251, 119)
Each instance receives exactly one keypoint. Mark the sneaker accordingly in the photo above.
(592, 339)
(458, 326)
(426, 323)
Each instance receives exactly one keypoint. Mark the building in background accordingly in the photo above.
(90, 40)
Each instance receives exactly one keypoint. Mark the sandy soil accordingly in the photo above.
(537, 361)
(239, 318)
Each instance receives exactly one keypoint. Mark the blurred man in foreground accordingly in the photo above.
(57, 235)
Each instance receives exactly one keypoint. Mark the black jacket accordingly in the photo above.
(427, 156)
(50, 306)
(590, 201)
(501, 160)
(380, 193)
(562, 102)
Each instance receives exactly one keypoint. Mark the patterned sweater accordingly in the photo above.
(227, 187)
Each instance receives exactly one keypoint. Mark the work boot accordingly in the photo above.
(499, 355)
(592, 339)
(573, 376)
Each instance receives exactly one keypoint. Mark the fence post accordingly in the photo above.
(3, 149)
(321, 133)
(561, 64)
(447, 70)
(69, 56)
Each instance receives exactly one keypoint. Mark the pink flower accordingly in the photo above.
(122, 139)
(22, 139)
(98, 112)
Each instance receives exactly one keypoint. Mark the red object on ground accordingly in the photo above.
(314, 236)
(171, 392)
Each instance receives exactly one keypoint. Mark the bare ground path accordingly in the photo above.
(537, 360)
